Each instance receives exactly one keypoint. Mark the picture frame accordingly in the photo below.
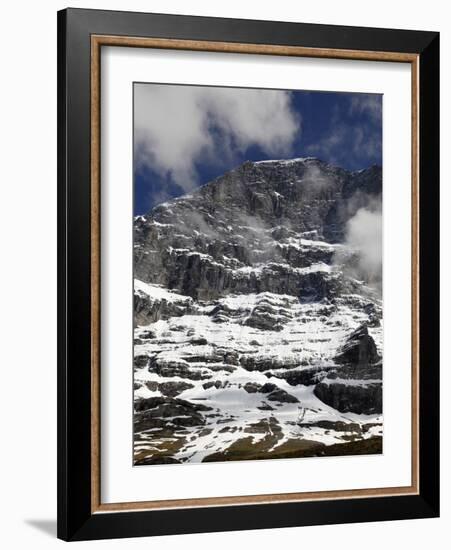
(81, 36)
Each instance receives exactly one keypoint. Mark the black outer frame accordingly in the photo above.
(75, 520)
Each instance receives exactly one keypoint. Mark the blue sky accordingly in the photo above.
(184, 136)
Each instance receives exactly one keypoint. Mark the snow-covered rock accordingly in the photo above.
(254, 338)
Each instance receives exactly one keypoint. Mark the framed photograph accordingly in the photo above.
(248, 274)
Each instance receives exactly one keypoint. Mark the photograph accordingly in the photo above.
(257, 266)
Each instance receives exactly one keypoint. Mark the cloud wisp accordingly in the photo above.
(178, 126)
(364, 233)
(355, 132)
(369, 104)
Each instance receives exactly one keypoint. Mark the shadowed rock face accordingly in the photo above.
(357, 385)
(359, 349)
(240, 233)
(147, 311)
(360, 399)
(249, 316)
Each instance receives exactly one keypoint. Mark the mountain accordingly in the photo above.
(258, 326)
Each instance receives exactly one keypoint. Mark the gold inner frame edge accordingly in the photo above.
(97, 41)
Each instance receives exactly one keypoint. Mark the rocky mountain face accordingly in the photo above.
(256, 335)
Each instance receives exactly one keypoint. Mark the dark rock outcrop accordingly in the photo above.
(149, 310)
(364, 398)
(305, 376)
(172, 389)
(168, 369)
(356, 384)
(282, 396)
(274, 392)
(160, 411)
(359, 349)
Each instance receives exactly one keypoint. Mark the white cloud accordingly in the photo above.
(370, 104)
(177, 125)
(315, 181)
(364, 234)
(332, 148)
(350, 140)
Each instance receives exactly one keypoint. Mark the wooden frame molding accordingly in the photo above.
(97, 41)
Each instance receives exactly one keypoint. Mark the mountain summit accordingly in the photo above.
(261, 218)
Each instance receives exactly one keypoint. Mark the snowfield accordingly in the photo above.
(307, 340)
